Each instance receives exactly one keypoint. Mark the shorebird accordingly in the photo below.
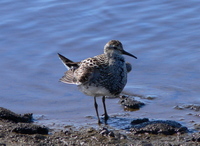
(102, 75)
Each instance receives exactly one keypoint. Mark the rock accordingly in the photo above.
(197, 126)
(192, 107)
(105, 132)
(139, 121)
(167, 127)
(22, 123)
(196, 137)
(130, 103)
(150, 97)
(11, 116)
(178, 107)
(26, 128)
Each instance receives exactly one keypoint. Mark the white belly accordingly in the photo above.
(94, 91)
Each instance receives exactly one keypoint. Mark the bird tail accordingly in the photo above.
(69, 77)
(69, 64)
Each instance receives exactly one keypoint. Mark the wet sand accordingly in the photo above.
(25, 132)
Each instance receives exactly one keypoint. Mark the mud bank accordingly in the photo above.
(18, 129)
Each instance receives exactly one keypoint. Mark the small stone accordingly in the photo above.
(121, 136)
(104, 131)
(130, 103)
(178, 107)
(91, 129)
(111, 134)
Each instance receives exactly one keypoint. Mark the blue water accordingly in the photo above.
(164, 35)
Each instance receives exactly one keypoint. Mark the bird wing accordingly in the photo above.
(80, 75)
(69, 77)
(80, 72)
(128, 67)
(88, 71)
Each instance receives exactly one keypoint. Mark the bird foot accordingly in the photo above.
(106, 117)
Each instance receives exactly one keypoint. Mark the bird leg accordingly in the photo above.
(105, 111)
(96, 108)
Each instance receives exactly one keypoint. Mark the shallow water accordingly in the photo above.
(164, 35)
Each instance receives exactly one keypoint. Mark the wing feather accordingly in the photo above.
(69, 77)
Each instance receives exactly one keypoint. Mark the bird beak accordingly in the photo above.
(129, 54)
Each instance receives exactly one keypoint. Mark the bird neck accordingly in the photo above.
(112, 54)
(115, 58)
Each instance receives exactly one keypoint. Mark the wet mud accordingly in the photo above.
(15, 130)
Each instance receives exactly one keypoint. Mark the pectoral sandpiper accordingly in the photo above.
(102, 75)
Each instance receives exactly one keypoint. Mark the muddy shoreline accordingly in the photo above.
(16, 129)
